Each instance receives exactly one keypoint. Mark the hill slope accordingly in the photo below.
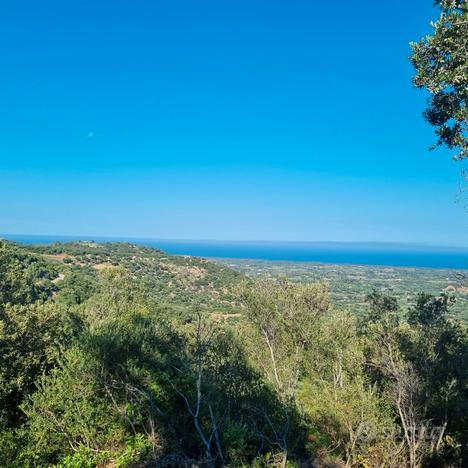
(179, 280)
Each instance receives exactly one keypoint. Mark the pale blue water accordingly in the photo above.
(361, 253)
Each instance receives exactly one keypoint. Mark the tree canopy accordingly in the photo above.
(440, 60)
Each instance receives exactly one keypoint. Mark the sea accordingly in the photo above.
(358, 253)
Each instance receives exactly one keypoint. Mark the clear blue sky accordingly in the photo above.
(220, 120)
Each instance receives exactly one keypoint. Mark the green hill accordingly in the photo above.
(178, 280)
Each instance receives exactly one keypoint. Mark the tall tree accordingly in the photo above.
(441, 63)
(284, 315)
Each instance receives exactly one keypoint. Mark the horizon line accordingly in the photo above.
(118, 238)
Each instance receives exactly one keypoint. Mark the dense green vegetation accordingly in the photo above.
(117, 355)
(176, 280)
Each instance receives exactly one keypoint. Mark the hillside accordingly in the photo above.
(196, 282)
(178, 280)
(114, 355)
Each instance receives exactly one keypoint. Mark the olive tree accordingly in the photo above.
(283, 315)
(441, 63)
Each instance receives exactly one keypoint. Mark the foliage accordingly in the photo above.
(77, 286)
(441, 64)
(344, 408)
(30, 341)
(97, 370)
(438, 348)
(283, 315)
(24, 278)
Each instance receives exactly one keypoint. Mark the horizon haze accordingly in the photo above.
(351, 253)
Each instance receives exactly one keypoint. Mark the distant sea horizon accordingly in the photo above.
(392, 254)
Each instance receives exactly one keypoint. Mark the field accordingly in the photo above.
(349, 284)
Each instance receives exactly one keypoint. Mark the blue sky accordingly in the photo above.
(220, 120)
